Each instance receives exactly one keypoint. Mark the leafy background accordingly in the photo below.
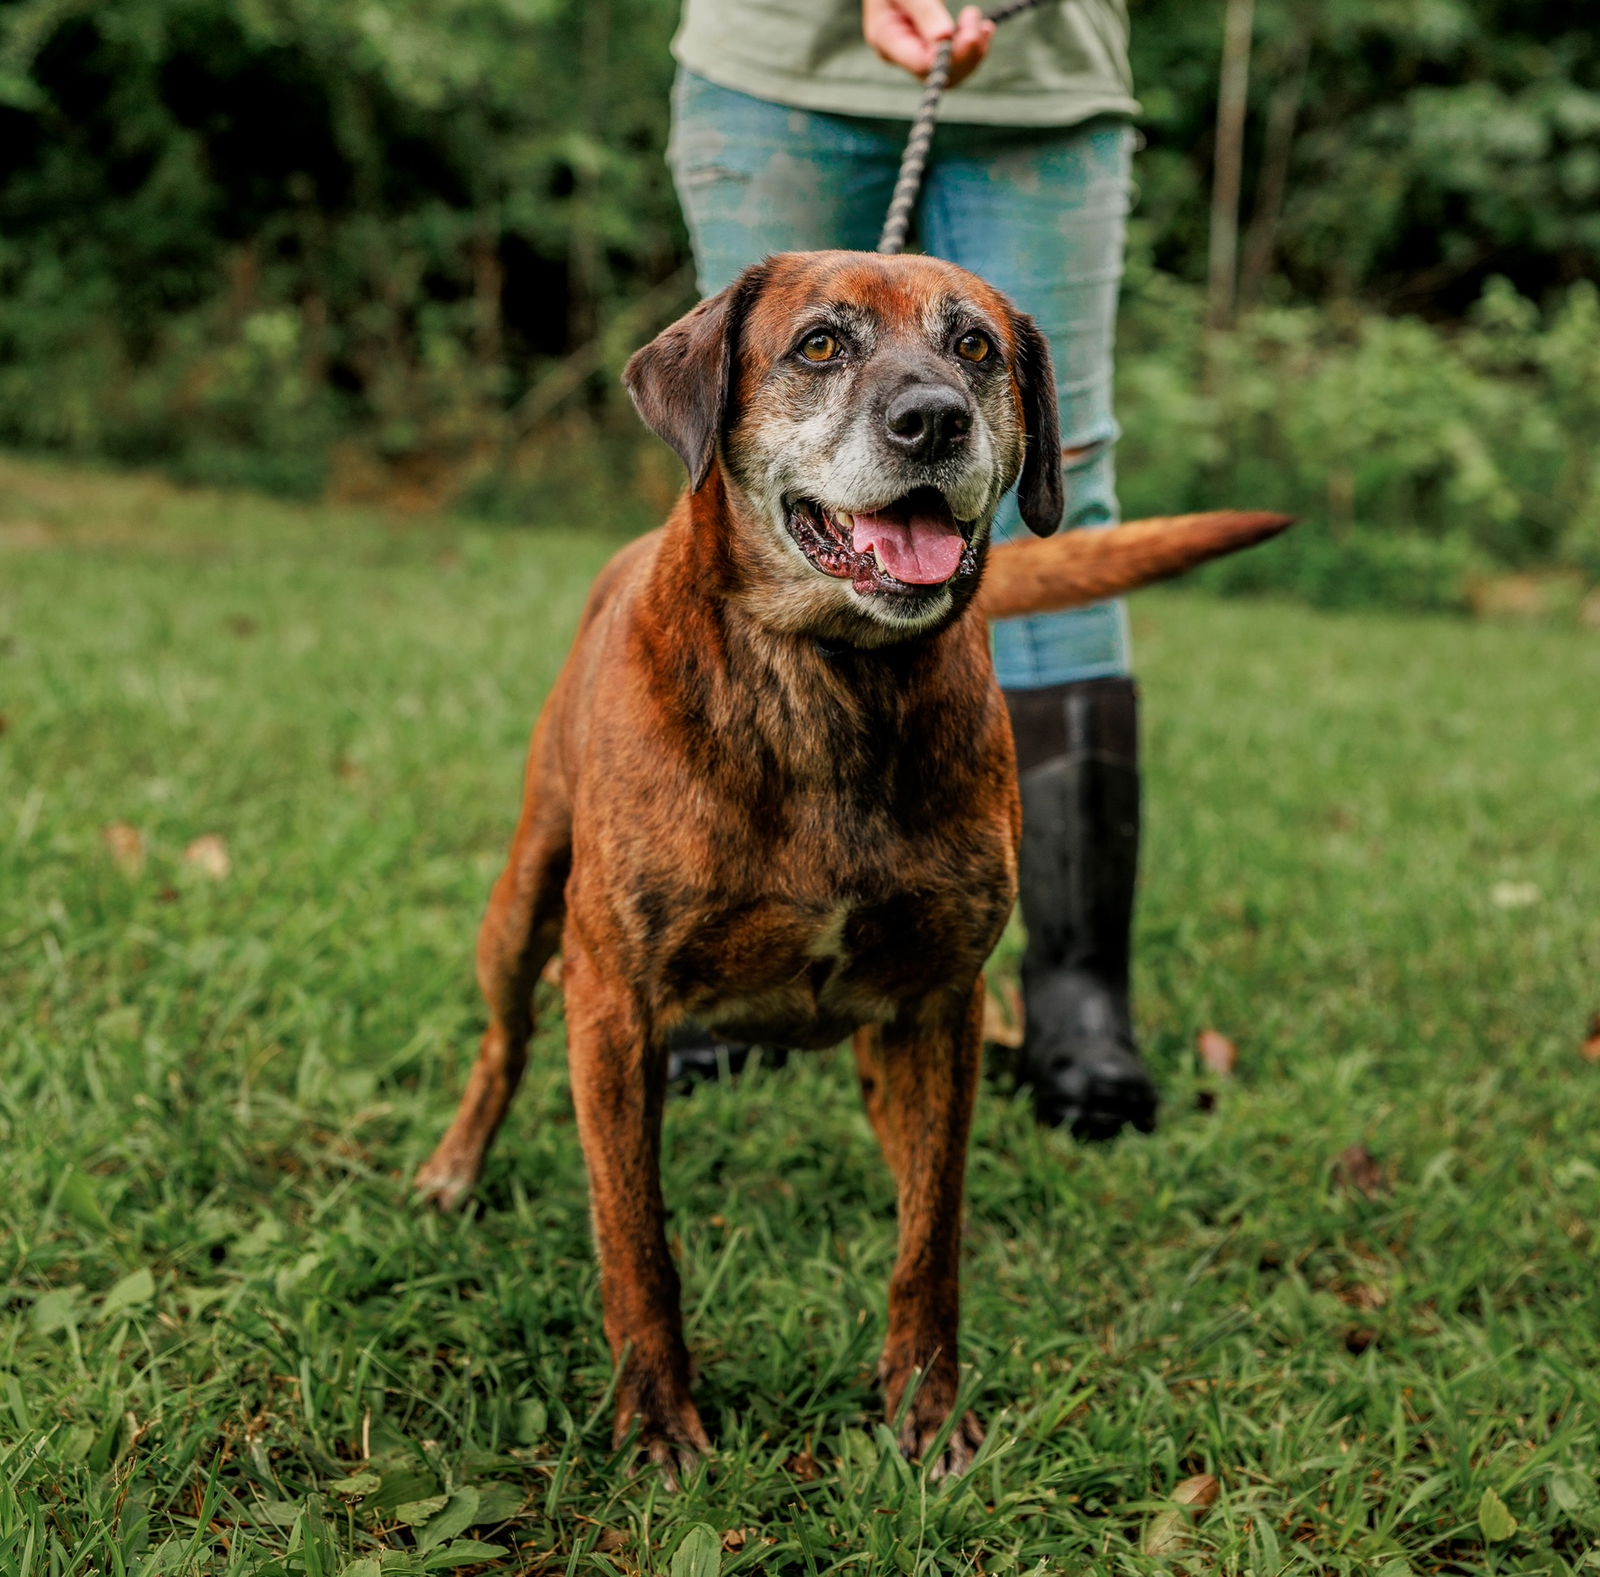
(398, 250)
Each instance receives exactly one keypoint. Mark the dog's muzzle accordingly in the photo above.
(911, 547)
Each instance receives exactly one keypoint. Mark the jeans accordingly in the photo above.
(1039, 213)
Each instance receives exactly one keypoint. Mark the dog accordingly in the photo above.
(773, 789)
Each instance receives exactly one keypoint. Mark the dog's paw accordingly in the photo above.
(959, 1452)
(659, 1413)
(926, 1417)
(445, 1181)
(678, 1460)
(919, 1436)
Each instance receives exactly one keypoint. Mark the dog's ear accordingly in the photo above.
(1039, 490)
(681, 382)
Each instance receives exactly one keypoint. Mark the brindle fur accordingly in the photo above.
(784, 838)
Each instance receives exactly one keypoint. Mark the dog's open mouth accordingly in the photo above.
(908, 548)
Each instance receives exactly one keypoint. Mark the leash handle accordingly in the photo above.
(914, 161)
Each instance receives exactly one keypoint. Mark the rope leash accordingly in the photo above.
(914, 161)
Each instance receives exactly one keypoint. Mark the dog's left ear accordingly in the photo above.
(682, 380)
(1039, 491)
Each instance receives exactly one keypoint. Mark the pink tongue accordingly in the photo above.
(923, 550)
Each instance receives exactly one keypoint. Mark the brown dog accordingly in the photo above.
(773, 789)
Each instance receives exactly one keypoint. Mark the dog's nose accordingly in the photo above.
(928, 420)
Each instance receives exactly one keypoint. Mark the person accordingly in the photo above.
(789, 119)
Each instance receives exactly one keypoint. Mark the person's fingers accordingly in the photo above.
(969, 44)
(888, 29)
(901, 46)
(929, 17)
(906, 33)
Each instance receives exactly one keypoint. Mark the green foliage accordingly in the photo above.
(290, 242)
(1426, 144)
(229, 1345)
(1420, 458)
(231, 233)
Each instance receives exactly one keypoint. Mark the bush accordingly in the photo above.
(1418, 457)
(231, 235)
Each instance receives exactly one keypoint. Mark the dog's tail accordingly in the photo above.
(1078, 567)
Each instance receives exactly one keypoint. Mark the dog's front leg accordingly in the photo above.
(923, 1073)
(618, 1087)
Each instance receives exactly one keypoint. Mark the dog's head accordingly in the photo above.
(869, 413)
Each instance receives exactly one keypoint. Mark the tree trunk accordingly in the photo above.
(1261, 239)
(585, 249)
(1233, 97)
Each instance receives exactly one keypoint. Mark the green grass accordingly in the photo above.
(229, 1343)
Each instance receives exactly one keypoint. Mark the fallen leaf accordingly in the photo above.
(242, 624)
(612, 1540)
(1218, 1054)
(356, 1484)
(461, 1552)
(1495, 1521)
(1003, 1018)
(1357, 1338)
(135, 1289)
(401, 1486)
(1572, 1491)
(80, 1199)
(1169, 1531)
(416, 1512)
(803, 1466)
(735, 1539)
(1507, 596)
(1201, 1491)
(56, 1310)
(126, 844)
(699, 1555)
(209, 855)
(271, 1514)
(1514, 895)
(1359, 1171)
(1363, 1295)
(498, 1503)
(1591, 1046)
(551, 973)
(456, 1518)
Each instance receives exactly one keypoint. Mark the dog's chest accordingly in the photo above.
(795, 906)
(806, 970)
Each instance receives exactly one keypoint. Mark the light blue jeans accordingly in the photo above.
(1039, 213)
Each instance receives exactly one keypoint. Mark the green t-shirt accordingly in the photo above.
(1053, 66)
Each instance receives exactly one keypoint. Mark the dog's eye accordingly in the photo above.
(819, 347)
(973, 347)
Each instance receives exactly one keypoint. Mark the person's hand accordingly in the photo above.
(907, 33)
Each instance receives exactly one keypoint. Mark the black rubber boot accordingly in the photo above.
(695, 1055)
(1078, 762)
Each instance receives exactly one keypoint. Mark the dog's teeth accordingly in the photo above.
(882, 567)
